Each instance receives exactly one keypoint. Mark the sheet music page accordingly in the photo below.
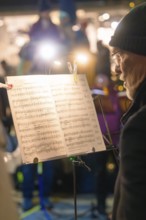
(35, 118)
(54, 116)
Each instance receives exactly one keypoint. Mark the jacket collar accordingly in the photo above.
(138, 102)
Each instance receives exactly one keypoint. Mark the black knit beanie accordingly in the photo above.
(130, 34)
(44, 5)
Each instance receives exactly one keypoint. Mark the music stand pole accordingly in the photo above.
(77, 161)
(74, 190)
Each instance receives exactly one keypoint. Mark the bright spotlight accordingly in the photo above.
(47, 51)
(57, 63)
(82, 58)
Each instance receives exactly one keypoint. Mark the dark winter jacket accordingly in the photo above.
(130, 189)
(38, 33)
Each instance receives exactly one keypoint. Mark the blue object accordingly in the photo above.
(69, 6)
(44, 5)
(27, 204)
(12, 143)
(30, 174)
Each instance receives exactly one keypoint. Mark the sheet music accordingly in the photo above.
(54, 116)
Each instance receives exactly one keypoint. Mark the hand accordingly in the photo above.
(6, 86)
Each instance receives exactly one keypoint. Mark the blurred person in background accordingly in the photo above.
(76, 44)
(129, 51)
(103, 59)
(43, 33)
(44, 29)
(73, 37)
(44, 180)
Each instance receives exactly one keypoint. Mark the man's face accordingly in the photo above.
(121, 60)
(131, 69)
(124, 65)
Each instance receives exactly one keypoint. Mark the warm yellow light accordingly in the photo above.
(82, 58)
(120, 88)
(131, 4)
(57, 63)
(1, 23)
(5, 159)
(110, 166)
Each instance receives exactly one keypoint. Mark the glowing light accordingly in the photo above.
(20, 41)
(120, 88)
(81, 13)
(75, 28)
(47, 51)
(57, 63)
(114, 24)
(1, 23)
(110, 166)
(131, 4)
(100, 18)
(104, 34)
(5, 159)
(82, 58)
(104, 17)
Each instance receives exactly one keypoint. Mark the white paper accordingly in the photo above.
(54, 116)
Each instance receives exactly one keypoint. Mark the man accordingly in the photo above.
(44, 29)
(42, 33)
(129, 49)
